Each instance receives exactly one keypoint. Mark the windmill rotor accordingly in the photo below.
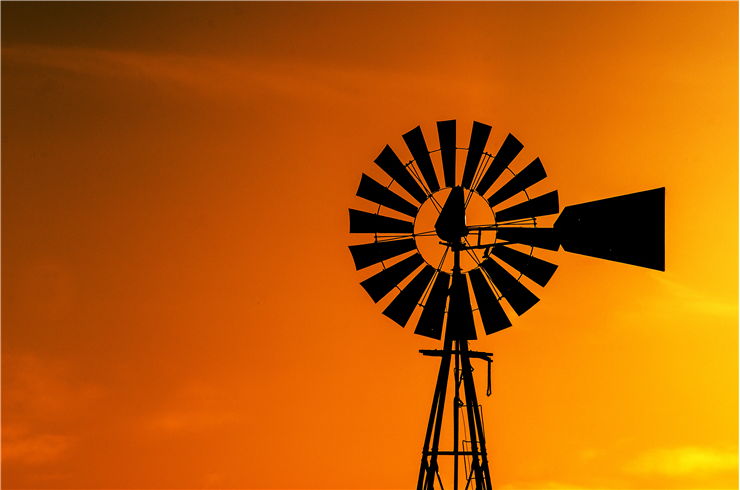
(626, 229)
(395, 248)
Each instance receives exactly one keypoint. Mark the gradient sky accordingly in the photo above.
(179, 306)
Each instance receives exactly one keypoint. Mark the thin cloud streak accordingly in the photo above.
(247, 78)
(684, 461)
(546, 486)
(33, 449)
(696, 300)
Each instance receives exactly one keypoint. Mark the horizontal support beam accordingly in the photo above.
(469, 353)
(452, 453)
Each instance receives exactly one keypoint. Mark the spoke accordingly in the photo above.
(388, 237)
(509, 224)
(444, 256)
(436, 203)
(475, 257)
(415, 173)
(518, 223)
(485, 160)
(419, 180)
(423, 299)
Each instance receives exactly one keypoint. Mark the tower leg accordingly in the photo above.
(475, 465)
(429, 465)
(479, 466)
(456, 403)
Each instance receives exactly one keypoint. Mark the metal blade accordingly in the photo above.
(383, 282)
(403, 305)
(478, 139)
(532, 173)
(377, 193)
(628, 229)
(539, 206)
(448, 149)
(388, 161)
(493, 316)
(418, 147)
(432, 318)
(508, 151)
(537, 237)
(519, 297)
(362, 222)
(372, 253)
(460, 322)
(540, 271)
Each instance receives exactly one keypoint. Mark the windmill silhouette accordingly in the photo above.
(499, 244)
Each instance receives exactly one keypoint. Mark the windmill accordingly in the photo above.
(434, 240)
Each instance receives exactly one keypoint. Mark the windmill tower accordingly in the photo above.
(433, 241)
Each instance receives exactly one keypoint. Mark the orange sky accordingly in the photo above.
(179, 306)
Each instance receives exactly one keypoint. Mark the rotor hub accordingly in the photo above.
(431, 246)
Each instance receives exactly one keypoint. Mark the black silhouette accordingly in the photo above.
(628, 229)
(451, 226)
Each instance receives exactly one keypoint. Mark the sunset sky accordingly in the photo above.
(180, 309)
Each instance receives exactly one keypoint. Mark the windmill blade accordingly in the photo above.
(532, 173)
(519, 297)
(540, 271)
(383, 282)
(546, 238)
(362, 222)
(418, 147)
(432, 318)
(388, 161)
(493, 316)
(539, 206)
(448, 149)
(478, 139)
(628, 229)
(372, 253)
(460, 322)
(506, 154)
(379, 194)
(405, 302)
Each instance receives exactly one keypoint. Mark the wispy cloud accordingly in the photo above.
(246, 77)
(188, 420)
(194, 406)
(23, 447)
(548, 485)
(683, 461)
(696, 300)
(201, 74)
(41, 388)
(39, 399)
